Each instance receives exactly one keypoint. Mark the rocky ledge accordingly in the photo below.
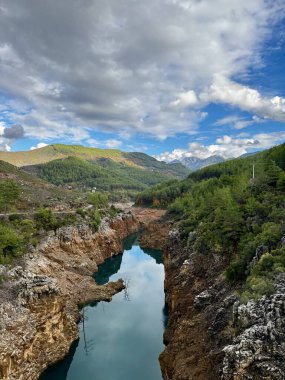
(40, 298)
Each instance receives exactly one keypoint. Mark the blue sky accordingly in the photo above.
(171, 78)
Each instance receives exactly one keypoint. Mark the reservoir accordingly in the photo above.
(122, 339)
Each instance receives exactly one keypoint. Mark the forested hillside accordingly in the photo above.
(236, 208)
(122, 176)
(60, 151)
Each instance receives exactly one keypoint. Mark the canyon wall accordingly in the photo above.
(210, 334)
(40, 297)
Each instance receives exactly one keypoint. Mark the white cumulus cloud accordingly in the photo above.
(38, 146)
(224, 90)
(226, 147)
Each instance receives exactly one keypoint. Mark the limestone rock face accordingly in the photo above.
(34, 333)
(210, 335)
(39, 301)
(199, 304)
(258, 351)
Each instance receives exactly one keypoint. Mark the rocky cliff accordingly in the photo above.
(210, 335)
(258, 349)
(39, 299)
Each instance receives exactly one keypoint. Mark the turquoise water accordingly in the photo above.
(121, 340)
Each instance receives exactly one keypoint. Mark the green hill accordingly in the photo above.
(30, 192)
(223, 210)
(164, 194)
(120, 174)
(117, 178)
(59, 151)
(147, 162)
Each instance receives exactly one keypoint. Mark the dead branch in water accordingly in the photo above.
(126, 289)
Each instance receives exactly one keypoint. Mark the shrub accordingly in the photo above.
(10, 244)
(95, 219)
(97, 200)
(46, 219)
(270, 235)
(9, 194)
(257, 287)
(81, 212)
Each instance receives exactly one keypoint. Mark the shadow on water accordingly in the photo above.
(60, 370)
(111, 266)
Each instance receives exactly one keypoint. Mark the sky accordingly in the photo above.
(171, 78)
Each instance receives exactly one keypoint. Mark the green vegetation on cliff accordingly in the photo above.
(30, 207)
(19, 231)
(221, 209)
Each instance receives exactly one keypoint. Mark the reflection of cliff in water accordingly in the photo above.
(59, 372)
(107, 269)
(130, 241)
(112, 265)
(165, 315)
(155, 254)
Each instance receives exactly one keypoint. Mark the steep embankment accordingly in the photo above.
(210, 334)
(195, 332)
(40, 298)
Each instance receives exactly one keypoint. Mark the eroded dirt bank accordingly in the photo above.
(39, 308)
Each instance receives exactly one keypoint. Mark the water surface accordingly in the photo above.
(121, 340)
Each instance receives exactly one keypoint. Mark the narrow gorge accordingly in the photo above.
(210, 334)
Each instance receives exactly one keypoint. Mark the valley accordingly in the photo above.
(222, 237)
(142, 190)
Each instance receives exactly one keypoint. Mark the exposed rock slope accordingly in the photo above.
(210, 335)
(39, 309)
(258, 350)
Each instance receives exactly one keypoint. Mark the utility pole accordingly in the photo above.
(253, 171)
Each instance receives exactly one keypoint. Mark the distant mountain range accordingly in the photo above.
(195, 163)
